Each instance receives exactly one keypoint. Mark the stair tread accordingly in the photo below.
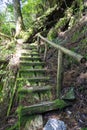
(34, 89)
(36, 79)
(44, 106)
(31, 63)
(32, 70)
(30, 58)
(33, 54)
(30, 48)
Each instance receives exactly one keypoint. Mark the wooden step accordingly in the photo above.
(25, 63)
(30, 54)
(30, 48)
(30, 51)
(32, 70)
(34, 89)
(29, 58)
(43, 107)
(35, 79)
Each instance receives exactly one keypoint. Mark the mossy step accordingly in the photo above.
(25, 63)
(29, 58)
(28, 54)
(35, 79)
(32, 70)
(29, 48)
(34, 89)
(29, 51)
(42, 107)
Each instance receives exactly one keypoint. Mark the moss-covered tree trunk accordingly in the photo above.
(18, 17)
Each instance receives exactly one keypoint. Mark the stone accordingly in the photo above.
(69, 95)
(54, 124)
(35, 124)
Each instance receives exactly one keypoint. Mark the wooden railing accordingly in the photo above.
(61, 51)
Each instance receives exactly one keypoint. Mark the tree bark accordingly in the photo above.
(18, 17)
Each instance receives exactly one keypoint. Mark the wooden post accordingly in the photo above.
(45, 51)
(38, 43)
(59, 73)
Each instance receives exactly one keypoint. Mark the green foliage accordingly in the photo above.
(4, 53)
(75, 36)
(30, 10)
(61, 104)
(80, 4)
(6, 82)
(7, 50)
(84, 129)
(15, 127)
(4, 27)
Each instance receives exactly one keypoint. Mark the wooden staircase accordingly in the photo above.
(33, 80)
(34, 92)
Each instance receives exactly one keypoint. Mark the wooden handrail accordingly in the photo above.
(61, 50)
(78, 57)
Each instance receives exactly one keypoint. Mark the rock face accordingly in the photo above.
(54, 124)
(35, 124)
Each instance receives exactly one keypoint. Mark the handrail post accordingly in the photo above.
(45, 51)
(59, 73)
(38, 43)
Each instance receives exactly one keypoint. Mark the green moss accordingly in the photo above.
(52, 34)
(60, 103)
(61, 23)
(23, 119)
(24, 91)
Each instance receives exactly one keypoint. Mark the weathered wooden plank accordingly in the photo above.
(31, 63)
(43, 107)
(34, 89)
(32, 70)
(36, 79)
(29, 58)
